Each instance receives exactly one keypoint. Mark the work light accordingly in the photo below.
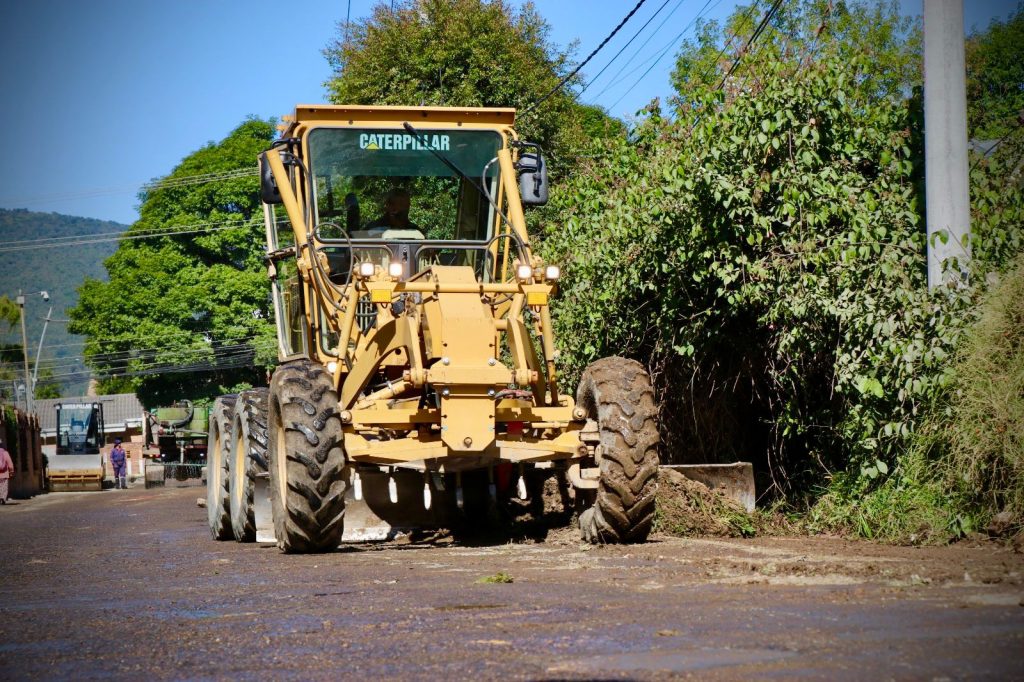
(366, 269)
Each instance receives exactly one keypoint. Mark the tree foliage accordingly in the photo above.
(10, 353)
(765, 253)
(187, 315)
(995, 78)
(800, 34)
(463, 53)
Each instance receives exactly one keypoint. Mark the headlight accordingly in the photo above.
(552, 273)
(366, 269)
(395, 269)
(332, 367)
(524, 272)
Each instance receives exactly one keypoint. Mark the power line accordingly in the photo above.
(149, 357)
(246, 355)
(628, 43)
(171, 183)
(121, 339)
(664, 52)
(85, 240)
(135, 187)
(614, 79)
(178, 369)
(753, 37)
(725, 45)
(565, 80)
(175, 359)
(87, 235)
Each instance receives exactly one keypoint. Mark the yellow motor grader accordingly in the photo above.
(418, 366)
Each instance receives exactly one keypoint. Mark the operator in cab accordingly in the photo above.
(395, 217)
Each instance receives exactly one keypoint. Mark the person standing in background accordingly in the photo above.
(118, 462)
(6, 473)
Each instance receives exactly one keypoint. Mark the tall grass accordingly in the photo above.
(967, 461)
(984, 436)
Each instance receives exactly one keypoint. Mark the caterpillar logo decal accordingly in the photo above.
(403, 141)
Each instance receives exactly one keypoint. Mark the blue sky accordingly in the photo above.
(101, 96)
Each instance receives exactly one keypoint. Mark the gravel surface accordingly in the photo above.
(128, 584)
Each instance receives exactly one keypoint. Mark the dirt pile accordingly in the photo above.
(687, 508)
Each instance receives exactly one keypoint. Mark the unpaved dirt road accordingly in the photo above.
(128, 584)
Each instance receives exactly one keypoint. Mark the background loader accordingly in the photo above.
(418, 379)
(77, 464)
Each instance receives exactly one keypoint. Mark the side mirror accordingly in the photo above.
(533, 176)
(269, 192)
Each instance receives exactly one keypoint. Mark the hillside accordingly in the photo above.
(57, 270)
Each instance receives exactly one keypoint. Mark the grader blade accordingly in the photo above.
(735, 481)
(379, 507)
(388, 506)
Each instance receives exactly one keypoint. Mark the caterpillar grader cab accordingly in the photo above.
(418, 366)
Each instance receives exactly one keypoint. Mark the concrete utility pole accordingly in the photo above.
(945, 138)
(20, 300)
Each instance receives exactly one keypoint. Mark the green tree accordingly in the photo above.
(186, 315)
(9, 313)
(799, 34)
(464, 53)
(47, 386)
(995, 78)
(10, 354)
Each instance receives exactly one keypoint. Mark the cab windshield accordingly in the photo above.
(77, 430)
(389, 185)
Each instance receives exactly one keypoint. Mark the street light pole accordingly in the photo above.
(39, 352)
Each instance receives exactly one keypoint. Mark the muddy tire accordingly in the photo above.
(218, 511)
(617, 394)
(248, 460)
(308, 473)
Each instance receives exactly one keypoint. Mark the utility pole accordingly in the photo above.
(947, 194)
(20, 300)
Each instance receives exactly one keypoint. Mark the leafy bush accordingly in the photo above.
(768, 262)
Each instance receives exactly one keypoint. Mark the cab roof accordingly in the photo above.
(350, 113)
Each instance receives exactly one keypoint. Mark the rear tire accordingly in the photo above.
(218, 511)
(307, 459)
(617, 393)
(248, 459)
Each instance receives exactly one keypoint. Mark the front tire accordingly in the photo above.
(248, 460)
(307, 459)
(617, 394)
(218, 443)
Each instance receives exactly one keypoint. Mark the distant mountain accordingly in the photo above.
(59, 270)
